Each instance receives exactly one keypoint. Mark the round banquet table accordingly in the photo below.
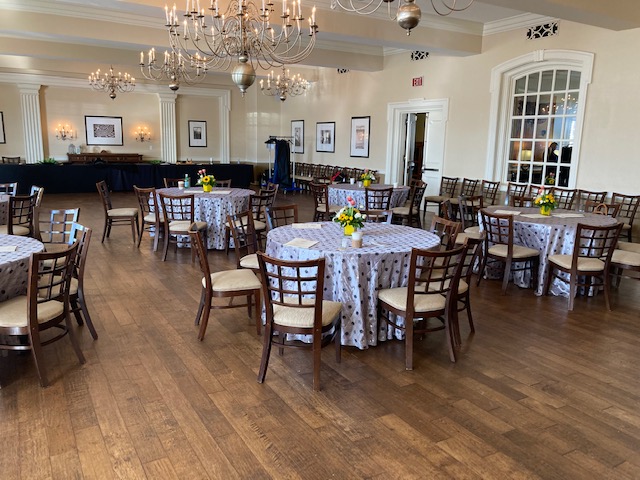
(14, 266)
(551, 235)
(4, 209)
(213, 208)
(338, 193)
(353, 275)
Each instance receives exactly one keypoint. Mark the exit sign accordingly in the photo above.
(417, 81)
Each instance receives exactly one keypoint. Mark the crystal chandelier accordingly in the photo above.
(284, 85)
(174, 68)
(244, 33)
(407, 14)
(112, 83)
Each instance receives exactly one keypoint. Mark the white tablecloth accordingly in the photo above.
(4, 209)
(353, 275)
(553, 235)
(214, 207)
(339, 192)
(14, 266)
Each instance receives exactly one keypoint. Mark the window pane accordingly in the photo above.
(569, 128)
(518, 105)
(525, 155)
(514, 148)
(561, 80)
(572, 103)
(558, 103)
(528, 128)
(566, 153)
(556, 127)
(512, 173)
(540, 150)
(523, 176)
(530, 108)
(541, 127)
(543, 106)
(520, 83)
(532, 87)
(552, 152)
(536, 174)
(563, 177)
(516, 128)
(574, 81)
(550, 175)
(546, 81)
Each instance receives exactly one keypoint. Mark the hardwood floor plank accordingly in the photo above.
(94, 458)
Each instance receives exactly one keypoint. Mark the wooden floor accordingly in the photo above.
(537, 392)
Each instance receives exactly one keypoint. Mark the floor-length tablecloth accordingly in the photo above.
(338, 193)
(4, 209)
(14, 266)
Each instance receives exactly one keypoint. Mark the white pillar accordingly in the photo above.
(31, 122)
(168, 144)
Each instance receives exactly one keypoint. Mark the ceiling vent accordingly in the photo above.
(542, 31)
(343, 70)
(418, 55)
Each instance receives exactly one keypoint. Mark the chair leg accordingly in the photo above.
(140, 232)
(104, 230)
(227, 240)
(165, 247)
(408, 350)
(85, 313)
(74, 340)
(450, 319)
(337, 340)
(573, 290)
(317, 360)
(256, 294)
(205, 317)
(38, 359)
(200, 307)
(266, 352)
(606, 287)
(156, 238)
(505, 277)
(75, 308)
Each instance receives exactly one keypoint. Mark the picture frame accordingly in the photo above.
(3, 139)
(360, 127)
(103, 130)
(297, 134)
(326, 137)
(197, 133)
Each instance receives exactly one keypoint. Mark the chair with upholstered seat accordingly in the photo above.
(489, 191)
(584, 196)
(431, 292)
(588, 265)
(377, 198)
(446, 230)
(178, 212)
(469, 208)
(467, 189)
(9, 188)
(293, 292)
(625, 261)
(600, 208)
(116, 216)
(11, 160)
(223, 183)
(227, 284)
(517, 194)
(171, 182)
(322, 210)
(281, 215)
(151, 214)
(378, 216)
(447, 191)
(38, 192)
(44, 307)
(499, 247)
(77, 298)
(473, 254)
(245, 240)
(628, 208)
(410, 214)
(22, 216)
(54, 229)
(564, 197)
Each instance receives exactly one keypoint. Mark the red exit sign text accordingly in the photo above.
(417, 82)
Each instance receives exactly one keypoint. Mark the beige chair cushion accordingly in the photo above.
(400, 210)
(73, 286)
(397, 298)
(250, 261)
(257, 224)
(626, 226)
(17, 230)
(183, 225)
(151, 218)
(123, 212)
(629, 247)
(518, 251)
(623, 257)
(473, 230)
(303, 317)
(233, 280)
(332, 208)
(436, 198)
(462, 236)
(584, 264)
(56, 247)
(13, 312)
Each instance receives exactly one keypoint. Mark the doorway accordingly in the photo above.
(415, 136)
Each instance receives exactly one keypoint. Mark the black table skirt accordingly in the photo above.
(67, 178)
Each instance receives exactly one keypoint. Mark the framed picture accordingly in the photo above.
(197, 133)
(360, 136)
(297, 132)
(2, 137)
(103, 130)
(326, 137)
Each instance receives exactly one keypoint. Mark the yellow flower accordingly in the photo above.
(206, 179)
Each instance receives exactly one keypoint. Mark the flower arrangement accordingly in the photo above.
(550, 179)
(545, 201)
(349, 217)
(368, 175)
(205, 180)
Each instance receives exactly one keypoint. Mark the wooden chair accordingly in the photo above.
(281, 215)
(627, 214)
(245, 240)
(11, 160)
(223, 284)
(44, 307)
(625, 261)
(473, 254)
(564, 197)
(38, 192)
(223, 183)
(489, 191)
(151, 214)
(517, 194)
(431, 292)
(410, 215)
(178, 212)
(377, 198)
(584, 196)
(322, 210)
(22, 215)
(499, 247)
(77, 298)
(468, 189)
(9, 188)
(469, 208)
(447, 230)
(56, 228)
(447, 191)
(116, 216)
(600, 208)
(171, 182)
(588, 265)
(378, 216)
(293, 293)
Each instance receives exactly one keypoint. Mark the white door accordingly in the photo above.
(409, 147)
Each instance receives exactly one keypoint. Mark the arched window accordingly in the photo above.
(536, 117)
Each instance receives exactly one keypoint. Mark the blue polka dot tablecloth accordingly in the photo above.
(14, 265)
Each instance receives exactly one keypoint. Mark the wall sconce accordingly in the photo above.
(143, 134)
(64, 133)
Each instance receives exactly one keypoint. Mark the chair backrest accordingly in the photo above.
(12, 160)
(38, 192)
(197, 243)
(81, 235)
(57, 226)
(447, 230)
(600, 208)
(377, 198)
(474, 249)
(516, 192)
(49, 279)
(595, 242)
(415, 197)
(281, 215)
(628, 206)
(378, 216)
(259, 203)
(320, 193)
(22, 209)
(177, 207)
(171, 182)
(564, 197)
(147, 201)
(469, 208)
(489, 191)
(9, 188)
(103, 190)
(223, 183)
(448, 186)
(469, 187)
(243, 230)
(584, 196)
(448, 212)
(297, 285)
(498, 229)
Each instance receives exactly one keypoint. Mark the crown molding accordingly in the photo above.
(525, 20)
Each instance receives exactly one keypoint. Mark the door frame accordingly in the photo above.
(438, 114)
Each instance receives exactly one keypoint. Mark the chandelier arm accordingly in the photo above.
(450, 8)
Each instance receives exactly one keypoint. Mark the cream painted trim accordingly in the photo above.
(438, 111)
(523, 21)
(502, 77)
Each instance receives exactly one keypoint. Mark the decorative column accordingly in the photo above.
(31, 122)
(168, 144)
